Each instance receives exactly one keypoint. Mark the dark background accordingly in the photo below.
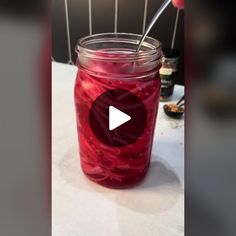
(130, 19)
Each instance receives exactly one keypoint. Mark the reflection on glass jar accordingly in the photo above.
(107, 64)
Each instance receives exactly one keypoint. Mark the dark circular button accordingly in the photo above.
(117, 117)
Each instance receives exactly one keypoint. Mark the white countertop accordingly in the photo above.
(82, 208)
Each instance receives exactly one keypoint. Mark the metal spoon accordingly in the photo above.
(175, 114)
(153, 21)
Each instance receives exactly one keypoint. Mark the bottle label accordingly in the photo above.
(165, 71)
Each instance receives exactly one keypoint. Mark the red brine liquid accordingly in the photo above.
(115, 167)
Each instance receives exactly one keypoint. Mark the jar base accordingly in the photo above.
(110, 183)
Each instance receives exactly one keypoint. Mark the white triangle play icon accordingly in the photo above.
(117, 118)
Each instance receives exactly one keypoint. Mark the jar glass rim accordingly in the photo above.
(152, 46)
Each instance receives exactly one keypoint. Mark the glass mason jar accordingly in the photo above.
(108, 62)
(168, 72)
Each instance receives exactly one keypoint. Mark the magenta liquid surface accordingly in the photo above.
(115, 167)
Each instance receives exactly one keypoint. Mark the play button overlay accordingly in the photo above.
(117, 118)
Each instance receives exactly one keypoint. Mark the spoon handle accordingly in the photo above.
(181, 99)
(155, 17)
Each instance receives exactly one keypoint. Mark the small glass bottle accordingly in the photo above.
(168, 73)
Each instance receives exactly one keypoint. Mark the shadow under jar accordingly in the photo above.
(109, 62)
